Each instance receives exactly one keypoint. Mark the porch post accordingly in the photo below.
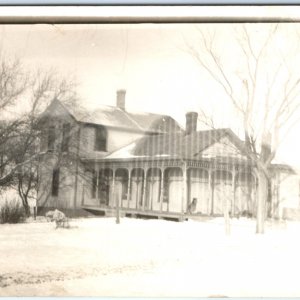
(209, 198)
(137, 194)
(129, 187)
(82, 194)
(254, 205)
(233, 192)
(144, 189)
(211, 192)
(115, 198)
(184, 188)
(97, 184)
(162, 188)
(277, 198)
(113, 192)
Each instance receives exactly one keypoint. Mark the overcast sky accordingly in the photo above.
(148, 60)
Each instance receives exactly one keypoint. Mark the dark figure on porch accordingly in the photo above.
(192, 206)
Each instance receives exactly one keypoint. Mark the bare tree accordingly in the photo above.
(262, 85)
(24, 95)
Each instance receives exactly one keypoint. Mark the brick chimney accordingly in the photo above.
(121, 99)
(191, 122)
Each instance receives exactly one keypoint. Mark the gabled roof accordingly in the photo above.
(107, 116)
(175, 145)
(115, 117)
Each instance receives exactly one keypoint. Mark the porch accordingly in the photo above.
(167, 189)
(129, 212)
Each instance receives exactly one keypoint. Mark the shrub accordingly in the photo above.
(12, 212)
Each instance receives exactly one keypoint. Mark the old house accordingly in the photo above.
(146, 164)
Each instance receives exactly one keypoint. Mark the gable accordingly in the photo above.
(109, 116)
(222, 148)
(155, 123)
(165, 124)
(56, 111)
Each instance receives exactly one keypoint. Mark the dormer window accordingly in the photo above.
(51, 138)
(100, 138)
(65, 137)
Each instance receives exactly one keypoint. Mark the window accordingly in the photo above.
(100, 139)
(124, 188)
(66, 137)
(122, 177)
(94, 184)
(104, 182)
(51, 138)
(55, 182)
(166, 188)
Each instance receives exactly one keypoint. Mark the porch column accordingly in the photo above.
(129, 187)
(162, 188)
(276, 209)
(254, 205)
(184, 187)
(211, 192)
(116, 199)
(144, 189)
(83, 193)
(113, 193)
(233, 192)
(137, 204)
(97, 184)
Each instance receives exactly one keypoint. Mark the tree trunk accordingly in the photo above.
(269, 212)
(23, 196)
(226, 211)
(226, 218)
(27, 210)
(261, 201)
(117, 210)
(250, 201)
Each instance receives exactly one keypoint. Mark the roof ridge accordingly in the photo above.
(55, 100)
(131, 119)
(148, 113)
(131, 112)
(215, 129)
(127, 114)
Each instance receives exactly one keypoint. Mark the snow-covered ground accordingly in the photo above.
(97, 257)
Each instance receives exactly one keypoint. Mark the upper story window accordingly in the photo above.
(100, 139)
(66, 137)
(51, 138)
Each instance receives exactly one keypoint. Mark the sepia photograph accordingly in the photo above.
(150, 159)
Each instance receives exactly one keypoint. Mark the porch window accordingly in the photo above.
(222, 177)
(94, 184)
(51, 138)
(65, 137)
(122, 177)
(55, 182)
(166, 188)
(100, 139)
(104, 181)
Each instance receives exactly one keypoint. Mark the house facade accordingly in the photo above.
(146, 164)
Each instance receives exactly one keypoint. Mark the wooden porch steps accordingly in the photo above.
(129, 212)
(135, 213)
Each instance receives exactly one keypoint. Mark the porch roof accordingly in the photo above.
(175, 145)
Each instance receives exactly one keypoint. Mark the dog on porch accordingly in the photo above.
(192, 206)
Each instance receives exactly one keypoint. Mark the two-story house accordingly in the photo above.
(71, 138)
(146, 164)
